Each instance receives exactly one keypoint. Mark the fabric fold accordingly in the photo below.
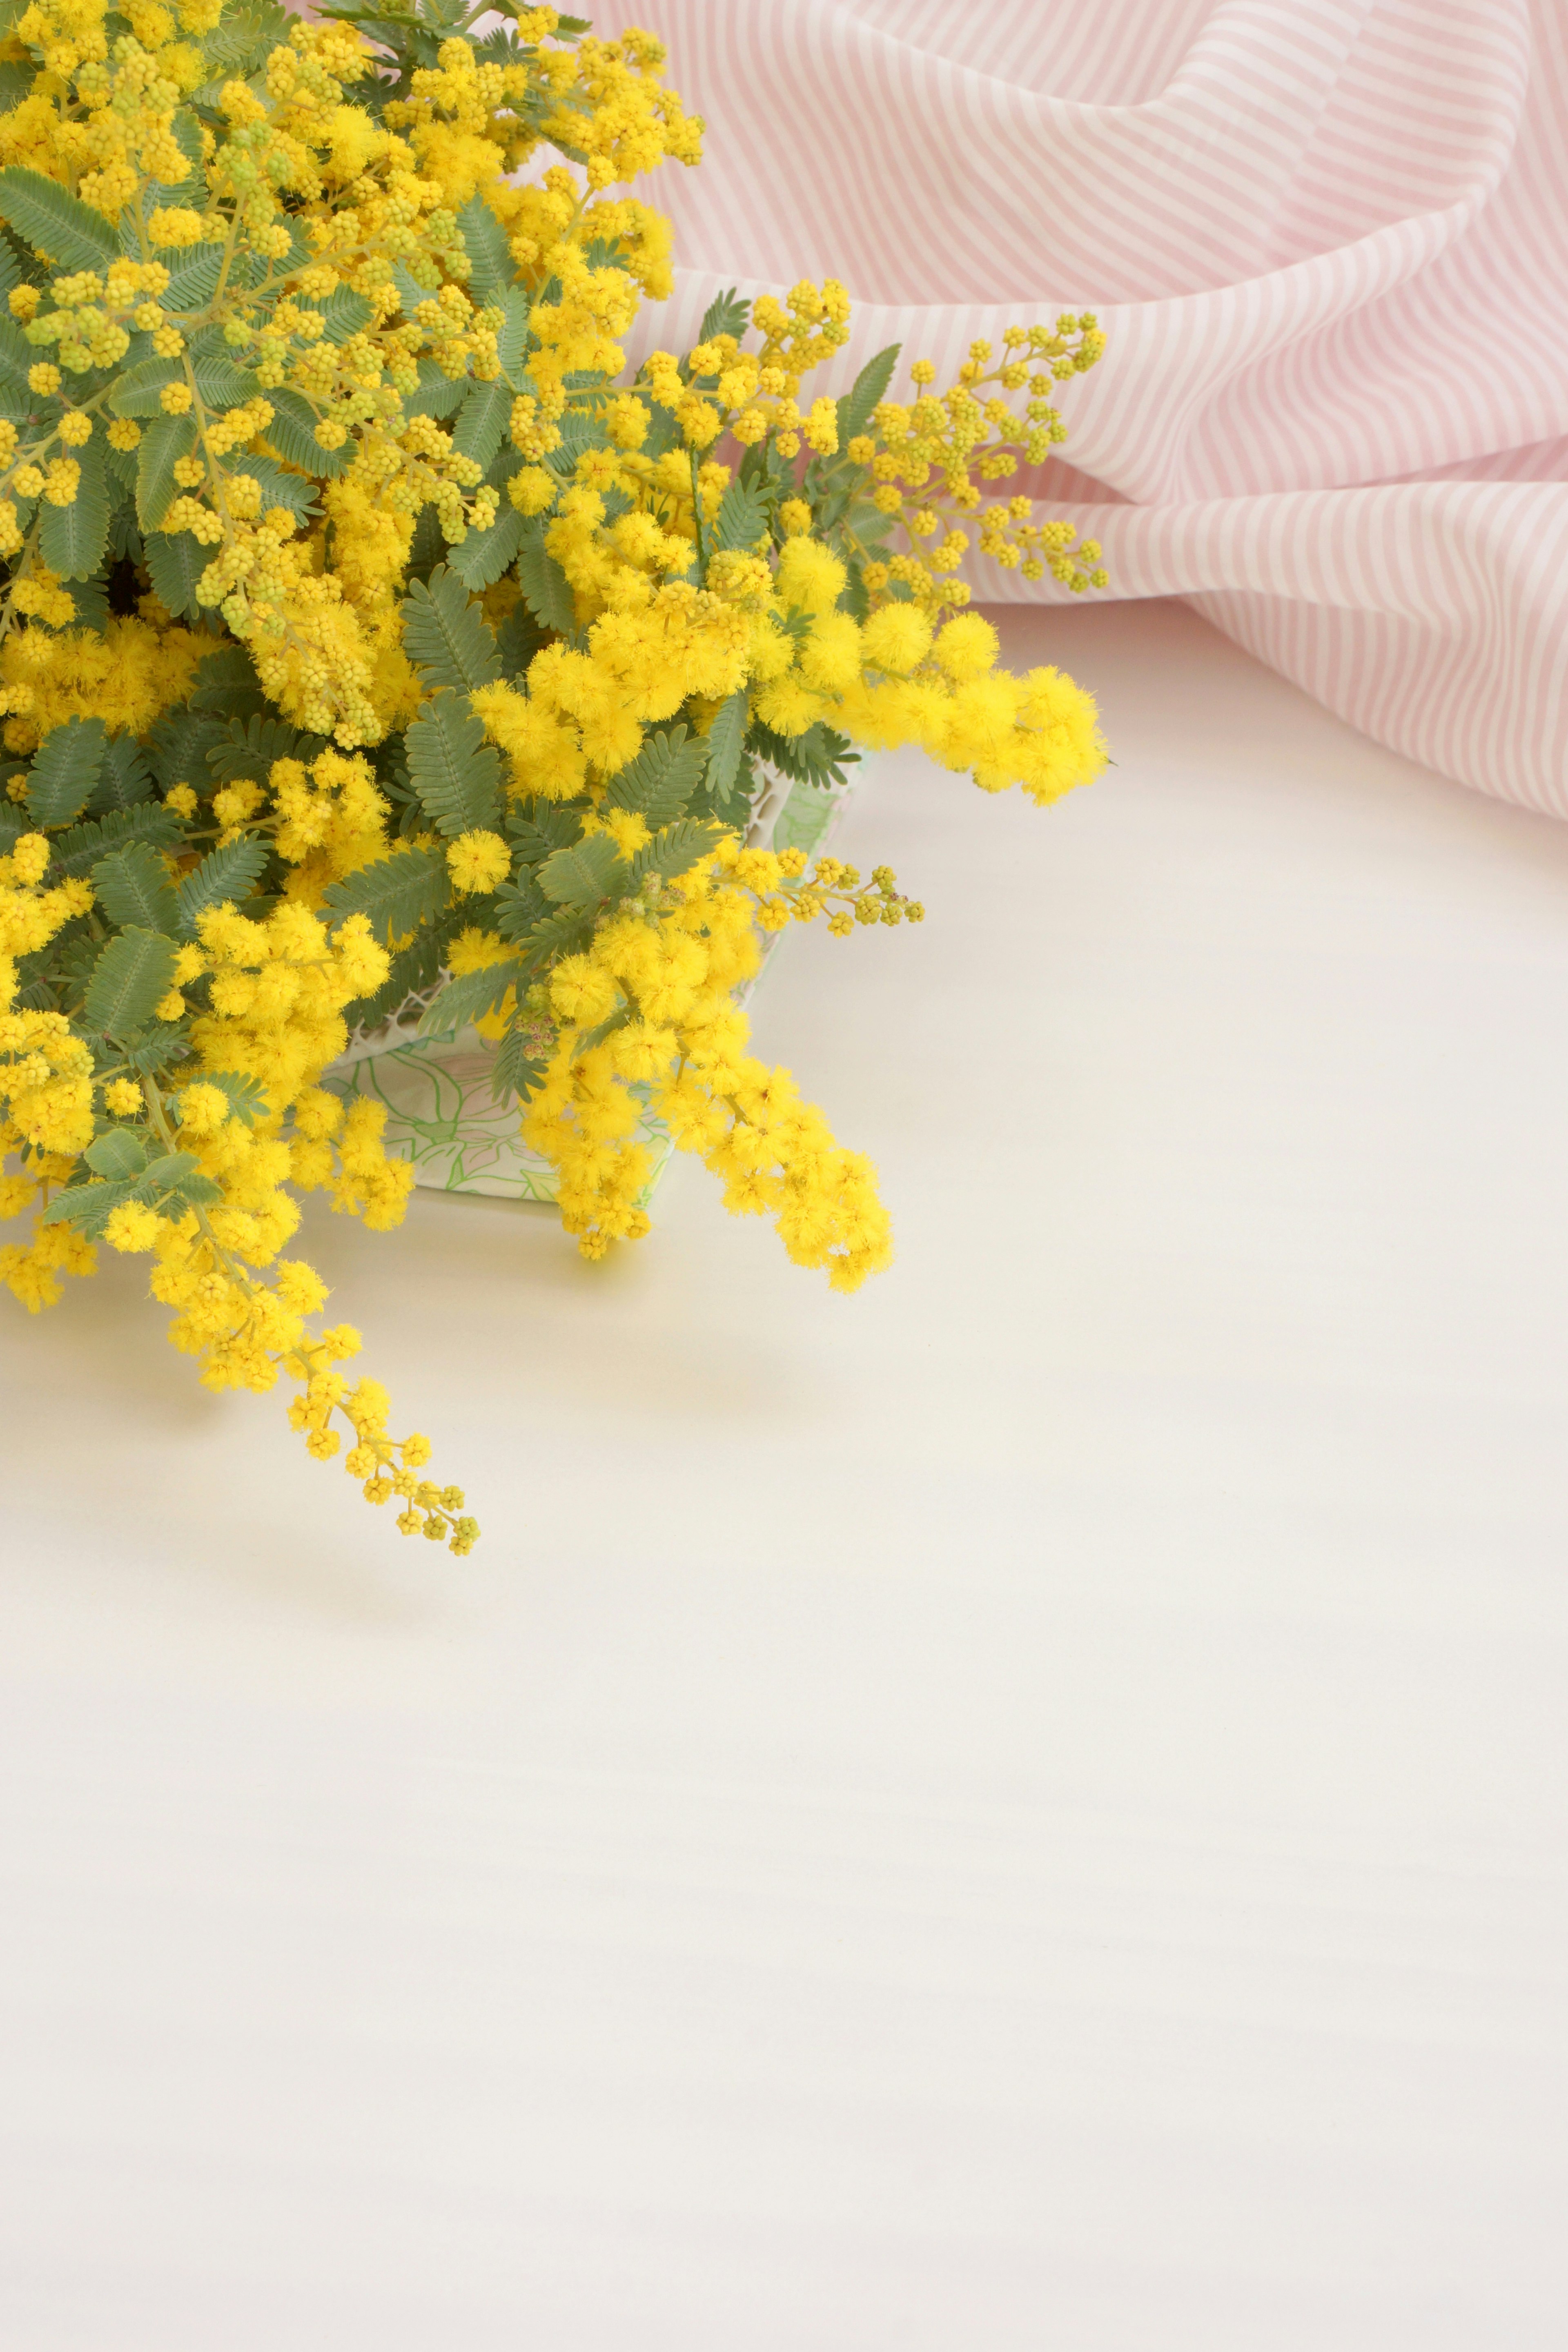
(1324, 241)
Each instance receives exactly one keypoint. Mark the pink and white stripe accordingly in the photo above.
(1326, 239)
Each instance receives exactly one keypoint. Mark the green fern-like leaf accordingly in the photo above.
(247, 1100)
(119, 1153)
(90, 1206)
(727, 314)
(345, 313)
(230, 872)
(560, 934)
(520, 905)
(178, 747)
(78, 850)
(134, 889)
(726, 741)
(469, 998)
(545, 587)
(484, 242)
(248, 747)
(175, 563)
(583, 876)
(55, 222)
(226, 683)
(512, 341)
(439, 394)
(481, 558)
(72, 538)
(858, 406)
(66, 770)
(676, 849)
(542, 826)
(447, 636)
(125, 781)
(483, 421)
(819, 757)
(222, 384)
(165, 441)
(452, 769)
(194, 282)
(136, 392)
(741, 520)
(292, 433)
(659, 782)
(398, 892)
(243, 38)
(513, 1072)
(279, 488)
(135, 971)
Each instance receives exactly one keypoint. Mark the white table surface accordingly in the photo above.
(1025, 1809)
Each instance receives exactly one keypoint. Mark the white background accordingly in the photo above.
(1026, 1808)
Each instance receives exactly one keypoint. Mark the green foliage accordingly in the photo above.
(72, 538)
(542, 826)
(136, 391)
(447, 636)
(57, 222)
(742, 520)
(483, 556)
(16, 397)
(163, 443)
(78, 850)
(125, 780)
(469, 998)
(584, 876)
(133, 887)
(231, 872)
(171, 1185)
(439, 393)
(193, 276)
(292, 433)
(278, 486)
(247, 747)
(659, 782)
(858, 406)
(727, 314)
(175, 563)
(675, 850)
(178, 747)
(546, 590)
(512, 341)
(118, 1153)
(819, 757)
(482, 423)
(726, 741)
(484, 242)
(398, 892)
(344, 313)
(414, 970)
(513, 1072)
(65, 771)
(226, 683)
(453, 770)
(520, 905)
(247, 1101)
(133, 973)
(518, 639)
(562, 933)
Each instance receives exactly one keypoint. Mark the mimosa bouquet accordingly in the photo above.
(369, 631)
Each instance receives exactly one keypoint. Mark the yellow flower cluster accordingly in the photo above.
(652, 999)
(366, 630)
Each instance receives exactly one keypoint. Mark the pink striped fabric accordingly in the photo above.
(1326, 239)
